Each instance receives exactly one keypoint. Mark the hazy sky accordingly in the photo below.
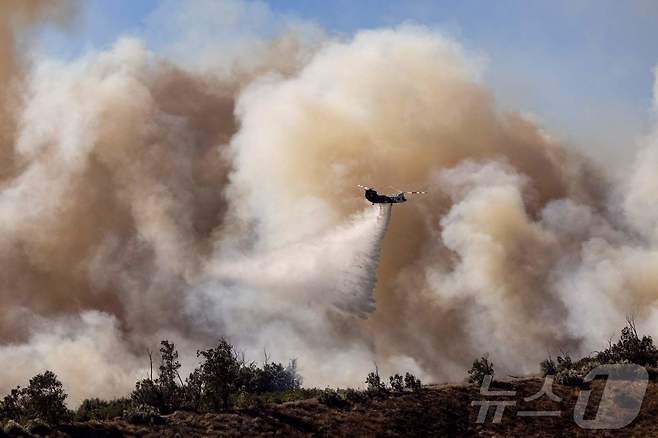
(583, 68)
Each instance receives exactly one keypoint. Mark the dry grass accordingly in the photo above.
(440, 410)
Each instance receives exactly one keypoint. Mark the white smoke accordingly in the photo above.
(79, 349)
(146, 196)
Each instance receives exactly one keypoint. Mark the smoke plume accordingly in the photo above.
(144, 196)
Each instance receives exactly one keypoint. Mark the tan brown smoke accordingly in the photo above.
(17, 18)
(113, 179)
(406, 108)
(140, 196)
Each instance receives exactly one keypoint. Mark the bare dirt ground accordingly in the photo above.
(436, 410)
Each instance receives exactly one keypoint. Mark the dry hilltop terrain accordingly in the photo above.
(435, 410)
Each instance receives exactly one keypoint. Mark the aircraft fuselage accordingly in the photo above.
(376, 198)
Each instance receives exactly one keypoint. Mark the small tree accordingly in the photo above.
(291, 378)
(168, 378)
(331, 397)
(411, 382)
(219, 375)
(481, 367)
(548, 367)
(97, 409)
(44, 398)
(194, 391)
(163, 393)
(147, 392)
(376, 388)
(11, 408)
(274, 377)
(396, 383)
(631, 348)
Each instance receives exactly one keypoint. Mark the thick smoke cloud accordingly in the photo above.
(146, 196)
(17, 19)
(401, 106)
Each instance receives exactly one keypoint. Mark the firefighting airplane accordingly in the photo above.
(374, 197)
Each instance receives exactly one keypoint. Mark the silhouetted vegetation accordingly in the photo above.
(630, 348)
(221, 375)
(247, 400)
(332, 398)
(222, 380)
(548, 367)
(397, 383)
(411, 382)
(166, 392)
(274, 377)
(375, 389)
(97, 409)
(481, 367)
(355, 396)
(43, 399)
(141, 414)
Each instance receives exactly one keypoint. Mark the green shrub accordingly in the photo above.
(397, 383)
(355, 396)
(142, 414)
(548, 367)
(375, 387)
(274, 377)
(96, 409)
(13, 428)
(42, 399)
(222, 380)
(11, 407)
(147, 392)
(630, 348)
(569, 377)
(164, 392)
(247, 400)
(279, 397)
(219, 376)
(38, 427)
(567, 371)
(481, 367)
(331, 398)
(411, 382)
(193, 394)
(168, 378)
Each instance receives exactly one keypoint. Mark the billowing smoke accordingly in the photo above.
(17, 19)
(144, 196)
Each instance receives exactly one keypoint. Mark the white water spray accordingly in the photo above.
(338, 268)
